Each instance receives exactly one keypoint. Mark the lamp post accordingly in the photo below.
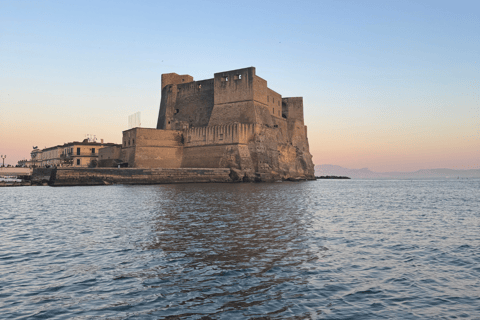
(34, 155)
(3, 158)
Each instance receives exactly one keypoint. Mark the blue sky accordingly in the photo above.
(386, 85)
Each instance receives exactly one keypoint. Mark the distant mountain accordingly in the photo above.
(365, 173)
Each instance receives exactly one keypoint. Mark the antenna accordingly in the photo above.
(91, 137)
(134, 120)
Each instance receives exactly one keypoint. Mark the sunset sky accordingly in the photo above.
(388, 85)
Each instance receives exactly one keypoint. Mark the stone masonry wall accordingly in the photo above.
(234, 86)
(173, 78)
(104, 176)
(218, 135)
(292, 108)
(152, 148)
(275, 146)
(193, 106)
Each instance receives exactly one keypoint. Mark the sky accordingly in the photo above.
(386, 85)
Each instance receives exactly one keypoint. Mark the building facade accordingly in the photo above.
(72, 154)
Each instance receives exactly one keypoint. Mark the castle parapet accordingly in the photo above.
(173, 78)
(235, 133)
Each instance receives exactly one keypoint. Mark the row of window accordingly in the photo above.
(51, 154)
(278, 111)
(128, 142)
(78, 151)
(273, 100)
(235, 77)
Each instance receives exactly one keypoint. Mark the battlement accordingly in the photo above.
(235, 133)
(234, 86)
(194, 87)
(229, 97)
(173, 78)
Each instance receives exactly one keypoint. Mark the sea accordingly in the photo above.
(325, 249)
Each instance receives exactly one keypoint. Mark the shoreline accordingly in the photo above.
(57, 177)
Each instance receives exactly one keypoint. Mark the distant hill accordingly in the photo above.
(365, 173)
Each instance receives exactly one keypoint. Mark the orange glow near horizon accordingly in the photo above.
(391, 152)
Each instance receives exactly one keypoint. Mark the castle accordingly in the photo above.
(231, 121)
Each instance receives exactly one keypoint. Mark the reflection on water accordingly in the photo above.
(226, 248)
(237, 247)
(314, 250)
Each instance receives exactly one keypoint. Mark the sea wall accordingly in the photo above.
(41, 176)
(105, 176)
(14, 171)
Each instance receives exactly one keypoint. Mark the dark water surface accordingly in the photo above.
(328, 249)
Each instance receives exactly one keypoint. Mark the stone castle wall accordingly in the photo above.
(186, 105)
(231, 121)
(152, 148)
(218, 135)
(292, 108)
(173, 78)
(218, 146)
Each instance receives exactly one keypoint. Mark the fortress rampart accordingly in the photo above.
(235, 133)
(230, 121)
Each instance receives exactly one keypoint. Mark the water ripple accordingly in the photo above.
(358, 249)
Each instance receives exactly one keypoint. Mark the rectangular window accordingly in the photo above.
(221, 136)
(273, 110)
(78, 162)
(268, 99)
(93, 150)
(78, 151)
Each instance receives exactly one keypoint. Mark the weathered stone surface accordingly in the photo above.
(41, 176)
(104, 176)
(232, 121)
(15, 184)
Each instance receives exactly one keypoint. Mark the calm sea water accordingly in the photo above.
(327, 249)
